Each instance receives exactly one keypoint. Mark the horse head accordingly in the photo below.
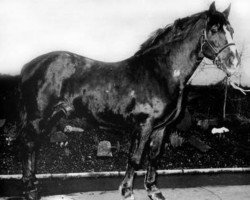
(217, 41)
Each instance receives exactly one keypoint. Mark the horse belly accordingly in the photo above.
(107, 107)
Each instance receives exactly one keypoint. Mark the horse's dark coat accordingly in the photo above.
(117, 88)
(135, 95)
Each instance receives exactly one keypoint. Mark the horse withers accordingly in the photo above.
(141, 95)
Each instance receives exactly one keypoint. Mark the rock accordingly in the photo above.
(176, 140)
(67, 152)
(104, 149)
(69, 129)
(206, 123)
(219, 130)
(58, 137)
(203, 124)
(10, 133)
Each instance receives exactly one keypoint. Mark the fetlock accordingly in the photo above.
(126, 192)
(31, 194)
(30, 188)
(154, 193)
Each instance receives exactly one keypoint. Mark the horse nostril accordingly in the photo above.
(230, 59)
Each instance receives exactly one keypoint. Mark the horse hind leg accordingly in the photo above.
(30, 145)
(29, 150)
(150, 178)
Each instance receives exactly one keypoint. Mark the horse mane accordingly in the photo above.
(170, 33)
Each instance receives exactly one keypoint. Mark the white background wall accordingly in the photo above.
(107, 30)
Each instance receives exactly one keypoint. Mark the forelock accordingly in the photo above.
(217, 18)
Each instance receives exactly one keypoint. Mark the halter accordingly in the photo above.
(216, 59)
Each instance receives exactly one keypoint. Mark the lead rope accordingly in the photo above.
(176, 111)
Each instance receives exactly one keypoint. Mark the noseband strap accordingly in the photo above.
(215, 52)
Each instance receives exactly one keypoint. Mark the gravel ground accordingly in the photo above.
(230, 150)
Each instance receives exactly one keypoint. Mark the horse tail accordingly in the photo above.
(22, 111)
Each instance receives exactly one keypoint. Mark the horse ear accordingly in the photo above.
(212, 8)
(227, 11)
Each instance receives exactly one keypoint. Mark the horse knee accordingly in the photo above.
(136, 159)
(29, 135)
(156, 143)
(155, 147)
(138, 152)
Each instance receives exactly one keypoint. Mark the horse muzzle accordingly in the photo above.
(229, 65)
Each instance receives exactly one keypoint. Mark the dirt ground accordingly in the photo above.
(228, 150)
(231, 149)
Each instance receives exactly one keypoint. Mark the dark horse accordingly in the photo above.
(144, 92)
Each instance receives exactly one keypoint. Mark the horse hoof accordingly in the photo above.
(129, 197)
(156, 196)
(126, 194)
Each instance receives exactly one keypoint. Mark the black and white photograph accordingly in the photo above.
(124, 99)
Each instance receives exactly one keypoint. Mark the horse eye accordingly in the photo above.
(214, 29)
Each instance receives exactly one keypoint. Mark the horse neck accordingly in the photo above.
(181, 57)
(189, 54)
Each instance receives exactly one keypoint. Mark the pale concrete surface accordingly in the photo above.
(199, 193)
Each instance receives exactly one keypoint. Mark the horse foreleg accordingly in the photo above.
(145, 132)
(136, 150)
(126, 187)
(150, 178)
